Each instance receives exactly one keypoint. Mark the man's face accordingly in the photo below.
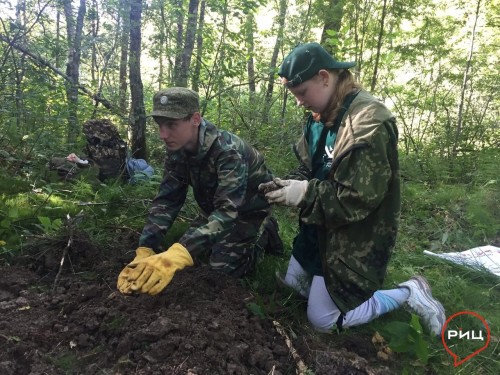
(179, 133)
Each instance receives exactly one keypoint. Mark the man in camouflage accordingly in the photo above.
(348, 192)
(224, 172)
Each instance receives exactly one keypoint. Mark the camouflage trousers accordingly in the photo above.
(238, 253)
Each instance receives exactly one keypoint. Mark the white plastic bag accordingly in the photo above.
(483, 257)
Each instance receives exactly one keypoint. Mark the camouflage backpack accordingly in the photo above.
(106, 148)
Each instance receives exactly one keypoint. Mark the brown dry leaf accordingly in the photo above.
(387, 350)
(382, 355)
(377, 338)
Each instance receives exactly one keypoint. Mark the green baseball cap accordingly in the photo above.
(305, 61)
(175, 102)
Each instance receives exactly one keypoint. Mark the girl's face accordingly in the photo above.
(315, 93)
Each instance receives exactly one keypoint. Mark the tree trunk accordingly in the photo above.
(19, 69)
(103, 71)
(74, 38)
(219, 78)
(58, 38)
(249, 27)
(189, 44)
(178, 38)
(359, 23)
(94, 17)
(125, 38)
(379, 46)
(354, 26)
(460, 119)
(215, 80)
(274, 60)
(138, 113)
(333, 21)
(199, 48)
(162, 47)
(306, 24)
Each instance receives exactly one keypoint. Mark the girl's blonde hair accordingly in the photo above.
(345, 85)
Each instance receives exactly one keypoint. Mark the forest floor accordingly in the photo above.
(72, 320)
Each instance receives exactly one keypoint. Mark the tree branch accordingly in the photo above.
(44, 63)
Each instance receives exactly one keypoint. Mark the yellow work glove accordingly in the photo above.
(152, 274)
(140, 253)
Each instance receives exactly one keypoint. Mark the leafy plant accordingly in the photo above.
(8, 231)
(407, 338)
(256, 309)
(48, 225)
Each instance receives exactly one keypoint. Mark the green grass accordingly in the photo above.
(436, 216)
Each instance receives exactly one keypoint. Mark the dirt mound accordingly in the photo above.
(200, 325)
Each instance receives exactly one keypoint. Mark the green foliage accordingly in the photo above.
(481, 212)
(447, 216)
(450, 174)
(407, 338)
(256, 309)
(9, 234)
(49, 225)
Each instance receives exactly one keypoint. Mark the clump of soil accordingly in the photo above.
(268, 187)
(76, 321)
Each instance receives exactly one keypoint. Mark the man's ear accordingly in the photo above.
(196, 118)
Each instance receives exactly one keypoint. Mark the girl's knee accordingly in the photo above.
(322, 322)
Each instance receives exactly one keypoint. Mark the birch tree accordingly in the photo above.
(187, 50)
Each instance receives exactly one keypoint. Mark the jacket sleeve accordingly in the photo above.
(166, 205)
(358, 185)
(232, 175)
(303, 172)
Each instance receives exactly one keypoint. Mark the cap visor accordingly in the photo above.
(166, 114)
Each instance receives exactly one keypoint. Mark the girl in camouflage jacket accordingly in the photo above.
(348, 192)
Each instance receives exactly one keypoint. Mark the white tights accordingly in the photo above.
(323, 313)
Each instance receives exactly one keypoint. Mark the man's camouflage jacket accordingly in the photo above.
(224, 175)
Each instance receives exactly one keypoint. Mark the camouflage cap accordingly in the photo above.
(175, 102)
(305, 61)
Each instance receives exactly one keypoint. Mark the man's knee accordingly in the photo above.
(234, 265)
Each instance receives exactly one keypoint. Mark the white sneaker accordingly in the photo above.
(423, 304)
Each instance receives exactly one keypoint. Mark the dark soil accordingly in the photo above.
(76, 322)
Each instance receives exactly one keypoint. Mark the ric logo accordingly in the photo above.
(464, 335)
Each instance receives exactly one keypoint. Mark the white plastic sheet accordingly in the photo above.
(483, 257)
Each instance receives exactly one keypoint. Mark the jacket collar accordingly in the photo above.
(208, 133)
